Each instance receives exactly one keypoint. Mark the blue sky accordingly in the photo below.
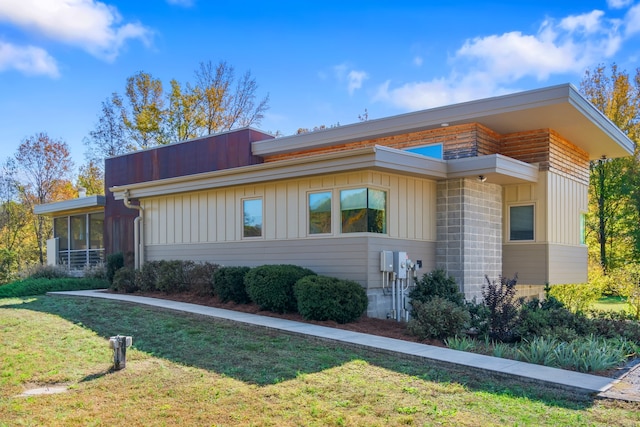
(321, 63)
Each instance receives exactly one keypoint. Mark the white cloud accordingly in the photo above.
(91, 25)
(632, 21)
(494, 63)
(619, 4)
(353, 78)
(27, 59)
(183, 3)
(417, 61)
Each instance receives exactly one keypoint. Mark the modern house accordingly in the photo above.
(489, 187)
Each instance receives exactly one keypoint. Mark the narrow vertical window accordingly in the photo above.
(583, 228)
(252, 218)
(320, 213)
(363, 210)
(521, 222)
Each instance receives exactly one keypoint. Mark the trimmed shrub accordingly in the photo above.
(148, 276)
(328, 298)
(114, 263)
(28, 287)
(437, 318)
(437, 284)
(576, 297)
(271, 286)
(125, 280)
(228, 284)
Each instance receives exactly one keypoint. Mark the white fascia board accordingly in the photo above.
(600, 120)
(496, 167)
(375, 158)
(59, 208)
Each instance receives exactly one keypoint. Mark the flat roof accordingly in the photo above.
(561, 108)
(71, 206)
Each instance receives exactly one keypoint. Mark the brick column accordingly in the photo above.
(469, 232)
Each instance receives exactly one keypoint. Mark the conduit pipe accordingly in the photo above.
(138, 232)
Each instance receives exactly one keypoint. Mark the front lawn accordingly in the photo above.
(191, 370)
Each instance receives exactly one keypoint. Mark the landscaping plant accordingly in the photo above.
(228, 284)
(271, 286)
(328, 298)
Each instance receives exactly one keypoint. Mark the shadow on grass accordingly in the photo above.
(259, 356)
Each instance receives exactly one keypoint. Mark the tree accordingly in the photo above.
(46, 165)
(614, 205)
(144, 114)
(185, 118)
(91, 178)
(14, 219)
(224, 105)
(108, 138)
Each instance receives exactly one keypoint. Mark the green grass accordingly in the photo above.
(191, 370)
(612, 303)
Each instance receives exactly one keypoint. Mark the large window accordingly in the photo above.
(320, 213)
(252, 218)
(61, 231)
(78, 232)
(521, 220)
(363, 210)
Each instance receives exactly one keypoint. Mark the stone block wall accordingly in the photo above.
(469, 232)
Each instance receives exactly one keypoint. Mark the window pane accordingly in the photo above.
(353, 210)
(61, 228)
(252, 218)
(377, 220)
(96, 222)
(78, 232)
(521, 222)
(363, 210)
(583, 229)
(320, 213)
(434, 151)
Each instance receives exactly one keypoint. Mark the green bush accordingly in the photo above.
(125, 280)
(228, 284)
(550, 319)
(576, 297)
(148, 276)
(46, 272)
(437, 284)
(271, 286)
(437, 318)
(114, 263)
(28, 287)
(328, 298)
(500, 299)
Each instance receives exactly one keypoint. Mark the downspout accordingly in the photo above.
(138, 232)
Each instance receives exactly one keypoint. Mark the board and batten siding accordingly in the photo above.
(216, 215)
(556, 255)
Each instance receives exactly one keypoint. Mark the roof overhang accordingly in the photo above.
(561, 108)
(499, 169)
(72, 206)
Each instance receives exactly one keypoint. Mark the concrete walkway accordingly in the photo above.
(568, 380)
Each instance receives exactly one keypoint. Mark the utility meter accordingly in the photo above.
(400, 264)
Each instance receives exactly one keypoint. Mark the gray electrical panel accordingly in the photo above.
(386, 261)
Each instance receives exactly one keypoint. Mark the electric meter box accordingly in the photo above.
(400, 264)
(386, 261)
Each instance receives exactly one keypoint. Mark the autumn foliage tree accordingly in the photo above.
(46, 167)
(614, 192)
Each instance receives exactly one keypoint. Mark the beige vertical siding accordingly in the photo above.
(556, 256)
(216, 215)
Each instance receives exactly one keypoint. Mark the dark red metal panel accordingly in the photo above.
(215, 152)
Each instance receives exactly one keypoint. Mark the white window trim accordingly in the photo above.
(262, 231)
(508, 230)
(333, 213)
